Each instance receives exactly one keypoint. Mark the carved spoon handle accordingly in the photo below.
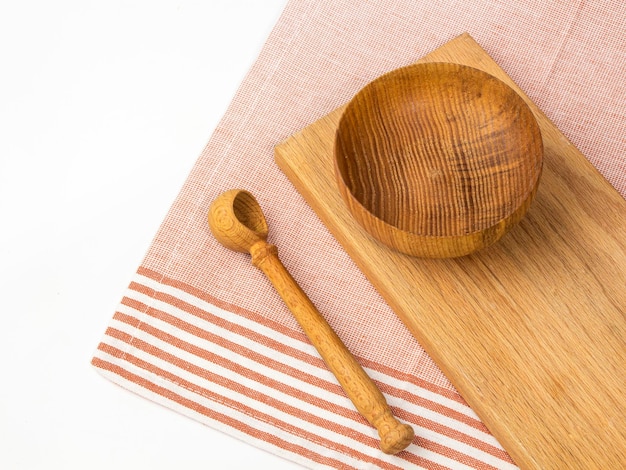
(363, 392)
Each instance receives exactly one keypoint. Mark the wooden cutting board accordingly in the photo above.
(532, 331)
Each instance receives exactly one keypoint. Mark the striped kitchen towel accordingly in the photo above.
(201, 331)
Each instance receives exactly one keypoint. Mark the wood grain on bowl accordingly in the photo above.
(438, 159)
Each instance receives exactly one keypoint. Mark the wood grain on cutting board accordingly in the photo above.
(532, 331)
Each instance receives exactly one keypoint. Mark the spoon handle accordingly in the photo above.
(363, 392)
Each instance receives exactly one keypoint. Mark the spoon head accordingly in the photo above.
(237, 221)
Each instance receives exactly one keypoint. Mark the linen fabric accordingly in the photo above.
(201, 331)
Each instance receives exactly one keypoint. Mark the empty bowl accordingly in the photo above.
(437, 159)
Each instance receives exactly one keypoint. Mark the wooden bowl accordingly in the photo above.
(437, 160)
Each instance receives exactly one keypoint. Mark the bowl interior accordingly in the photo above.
(438, 149)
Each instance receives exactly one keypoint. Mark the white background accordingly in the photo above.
(104, 108)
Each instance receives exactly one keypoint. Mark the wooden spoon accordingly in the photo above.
(238, 223)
